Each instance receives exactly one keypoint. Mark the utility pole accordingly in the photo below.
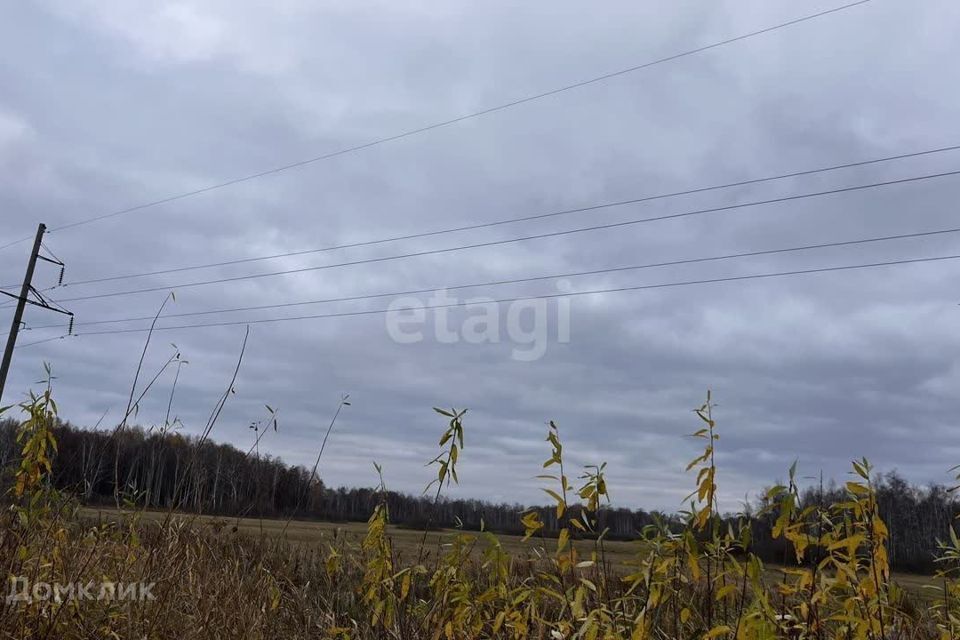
(21, 303)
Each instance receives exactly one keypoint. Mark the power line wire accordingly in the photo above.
(492, 243)
(495, 283)
(757, 276)
(445, 123)
(540, 216)
(36, 342)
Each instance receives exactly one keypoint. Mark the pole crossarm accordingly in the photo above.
(24, 299)
(50, 260)
(49, 304)
(41, 302)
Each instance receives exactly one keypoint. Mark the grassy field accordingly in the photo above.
(265, 578)
(405, 541)
(619, 554)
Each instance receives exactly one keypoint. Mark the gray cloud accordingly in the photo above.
(109, 104)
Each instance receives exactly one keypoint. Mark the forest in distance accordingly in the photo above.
(162, 469)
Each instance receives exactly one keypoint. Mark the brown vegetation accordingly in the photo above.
(702, 581)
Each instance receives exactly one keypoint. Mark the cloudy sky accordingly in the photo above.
(107, 105)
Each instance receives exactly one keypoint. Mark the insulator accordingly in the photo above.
(60, 281)
(70, 329)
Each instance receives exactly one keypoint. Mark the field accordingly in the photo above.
(405, 541)
(621, 555)
(697, 578)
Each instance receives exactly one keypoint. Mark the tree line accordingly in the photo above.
(163, 468)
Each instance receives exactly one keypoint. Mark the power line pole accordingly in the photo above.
(21, 303)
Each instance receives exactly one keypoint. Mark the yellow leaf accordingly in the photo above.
(725, 590)
(857, 489)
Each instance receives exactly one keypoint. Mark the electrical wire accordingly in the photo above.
(554, 276)
(553, 234)
(528, 218)
(445, 123)
(778, 274)
(36, 342)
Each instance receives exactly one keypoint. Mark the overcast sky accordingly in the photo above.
(109, 104)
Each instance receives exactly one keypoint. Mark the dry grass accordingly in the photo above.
(621, 555)
(405, 542)
(218, 577)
